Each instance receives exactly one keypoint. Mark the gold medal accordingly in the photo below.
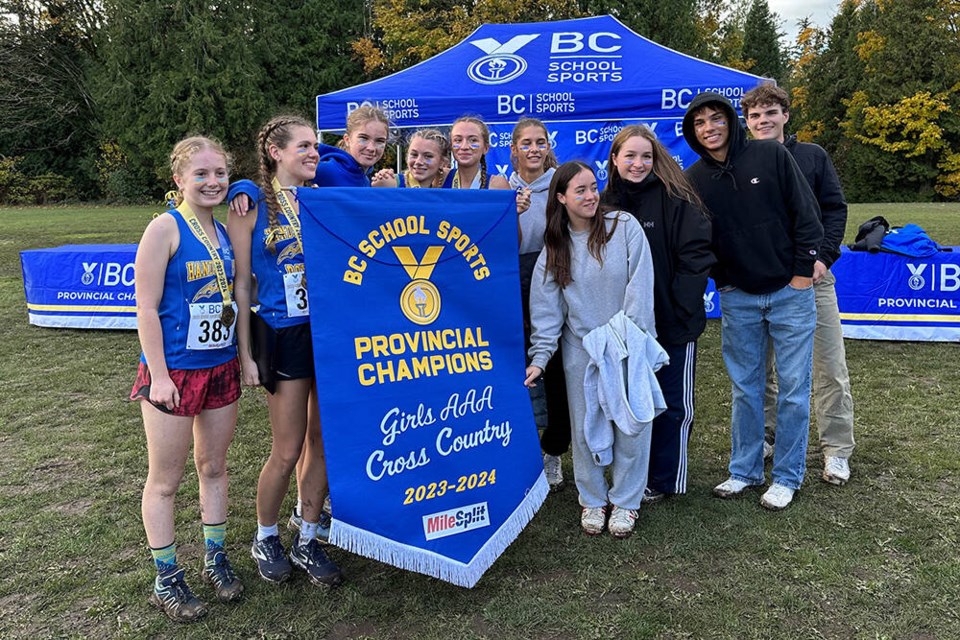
(228, 315)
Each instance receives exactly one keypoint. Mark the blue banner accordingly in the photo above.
(885, 296)
(432, 453)
(81, 286)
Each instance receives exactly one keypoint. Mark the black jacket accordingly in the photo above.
(817, 168)
(679, 238)
(766, 223)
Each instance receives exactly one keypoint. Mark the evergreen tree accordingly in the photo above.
(47, 119)
(169, 70)
(761, 41)
(671, 24)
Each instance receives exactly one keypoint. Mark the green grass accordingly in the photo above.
(877, 558)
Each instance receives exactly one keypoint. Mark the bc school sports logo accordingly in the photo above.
(501, 64)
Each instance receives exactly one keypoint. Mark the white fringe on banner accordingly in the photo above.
(430, 563)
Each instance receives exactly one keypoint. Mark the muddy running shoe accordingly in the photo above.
(554, 472)
(272, 563)
(836, 470)
(593, 520)
(172, 596)
(311, 557)
(218, 572)
(622, 522)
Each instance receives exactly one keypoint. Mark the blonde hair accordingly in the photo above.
(277, 132)
(360, 117)
(184, 150)
(436, 137)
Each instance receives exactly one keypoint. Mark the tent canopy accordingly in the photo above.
(590, 69)
(586, 79)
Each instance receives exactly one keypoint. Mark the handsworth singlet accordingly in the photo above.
(281, 291)
(194, 336)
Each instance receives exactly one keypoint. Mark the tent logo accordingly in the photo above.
(501, 64)
(601, 169)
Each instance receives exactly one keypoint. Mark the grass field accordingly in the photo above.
(877, 558)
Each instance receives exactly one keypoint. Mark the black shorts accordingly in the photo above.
(283, 354)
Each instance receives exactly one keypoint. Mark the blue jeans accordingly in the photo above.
(787, 318)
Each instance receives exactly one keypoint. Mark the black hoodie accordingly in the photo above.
(817, 168)
(766, 222)
(679, 237)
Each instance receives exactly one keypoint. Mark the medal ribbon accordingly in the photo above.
(288, 211)
(197, 229)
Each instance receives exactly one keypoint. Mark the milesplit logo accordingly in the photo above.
(454, 521)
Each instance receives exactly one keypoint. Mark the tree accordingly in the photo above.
(761, 41)
(169, 70)
(47, 116)
(405, 32)
(671, 24)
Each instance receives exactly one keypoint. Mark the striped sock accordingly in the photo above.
(214, 536)
(165, 558)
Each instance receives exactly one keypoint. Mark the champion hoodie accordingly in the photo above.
(766, 222)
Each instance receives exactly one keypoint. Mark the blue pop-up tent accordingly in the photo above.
(584, 78)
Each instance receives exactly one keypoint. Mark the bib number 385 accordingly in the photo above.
(207, 330)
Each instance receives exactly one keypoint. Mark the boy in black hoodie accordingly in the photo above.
(766, 236)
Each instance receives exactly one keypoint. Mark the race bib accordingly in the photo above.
(296, 293)
(207, 330)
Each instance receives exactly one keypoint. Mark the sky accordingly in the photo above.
(820, 11)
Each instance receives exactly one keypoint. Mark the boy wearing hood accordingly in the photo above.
(766, 109)
(766, 236)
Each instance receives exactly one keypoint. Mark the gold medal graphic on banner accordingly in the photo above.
(419, 300)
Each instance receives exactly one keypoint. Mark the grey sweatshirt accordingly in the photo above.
(624, 282)
(533, 221)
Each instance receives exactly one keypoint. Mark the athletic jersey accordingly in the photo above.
(448, 181)
(281, 290)
(194, 337)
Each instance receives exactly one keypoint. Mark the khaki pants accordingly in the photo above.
(833, 403)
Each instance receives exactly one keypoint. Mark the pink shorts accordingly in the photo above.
(200, 389)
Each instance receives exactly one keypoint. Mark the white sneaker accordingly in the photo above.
(731, 488)
(593, 520)
(767, 450)
(554, 471)
(836, 470)
(777, 497)
(622, 522)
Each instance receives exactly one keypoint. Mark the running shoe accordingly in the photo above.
(311, 557)
(218, 572)
(272, 563)
(172, 596)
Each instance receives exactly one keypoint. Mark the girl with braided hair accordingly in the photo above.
(427, 155)
(470, 141)
(278, 353)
